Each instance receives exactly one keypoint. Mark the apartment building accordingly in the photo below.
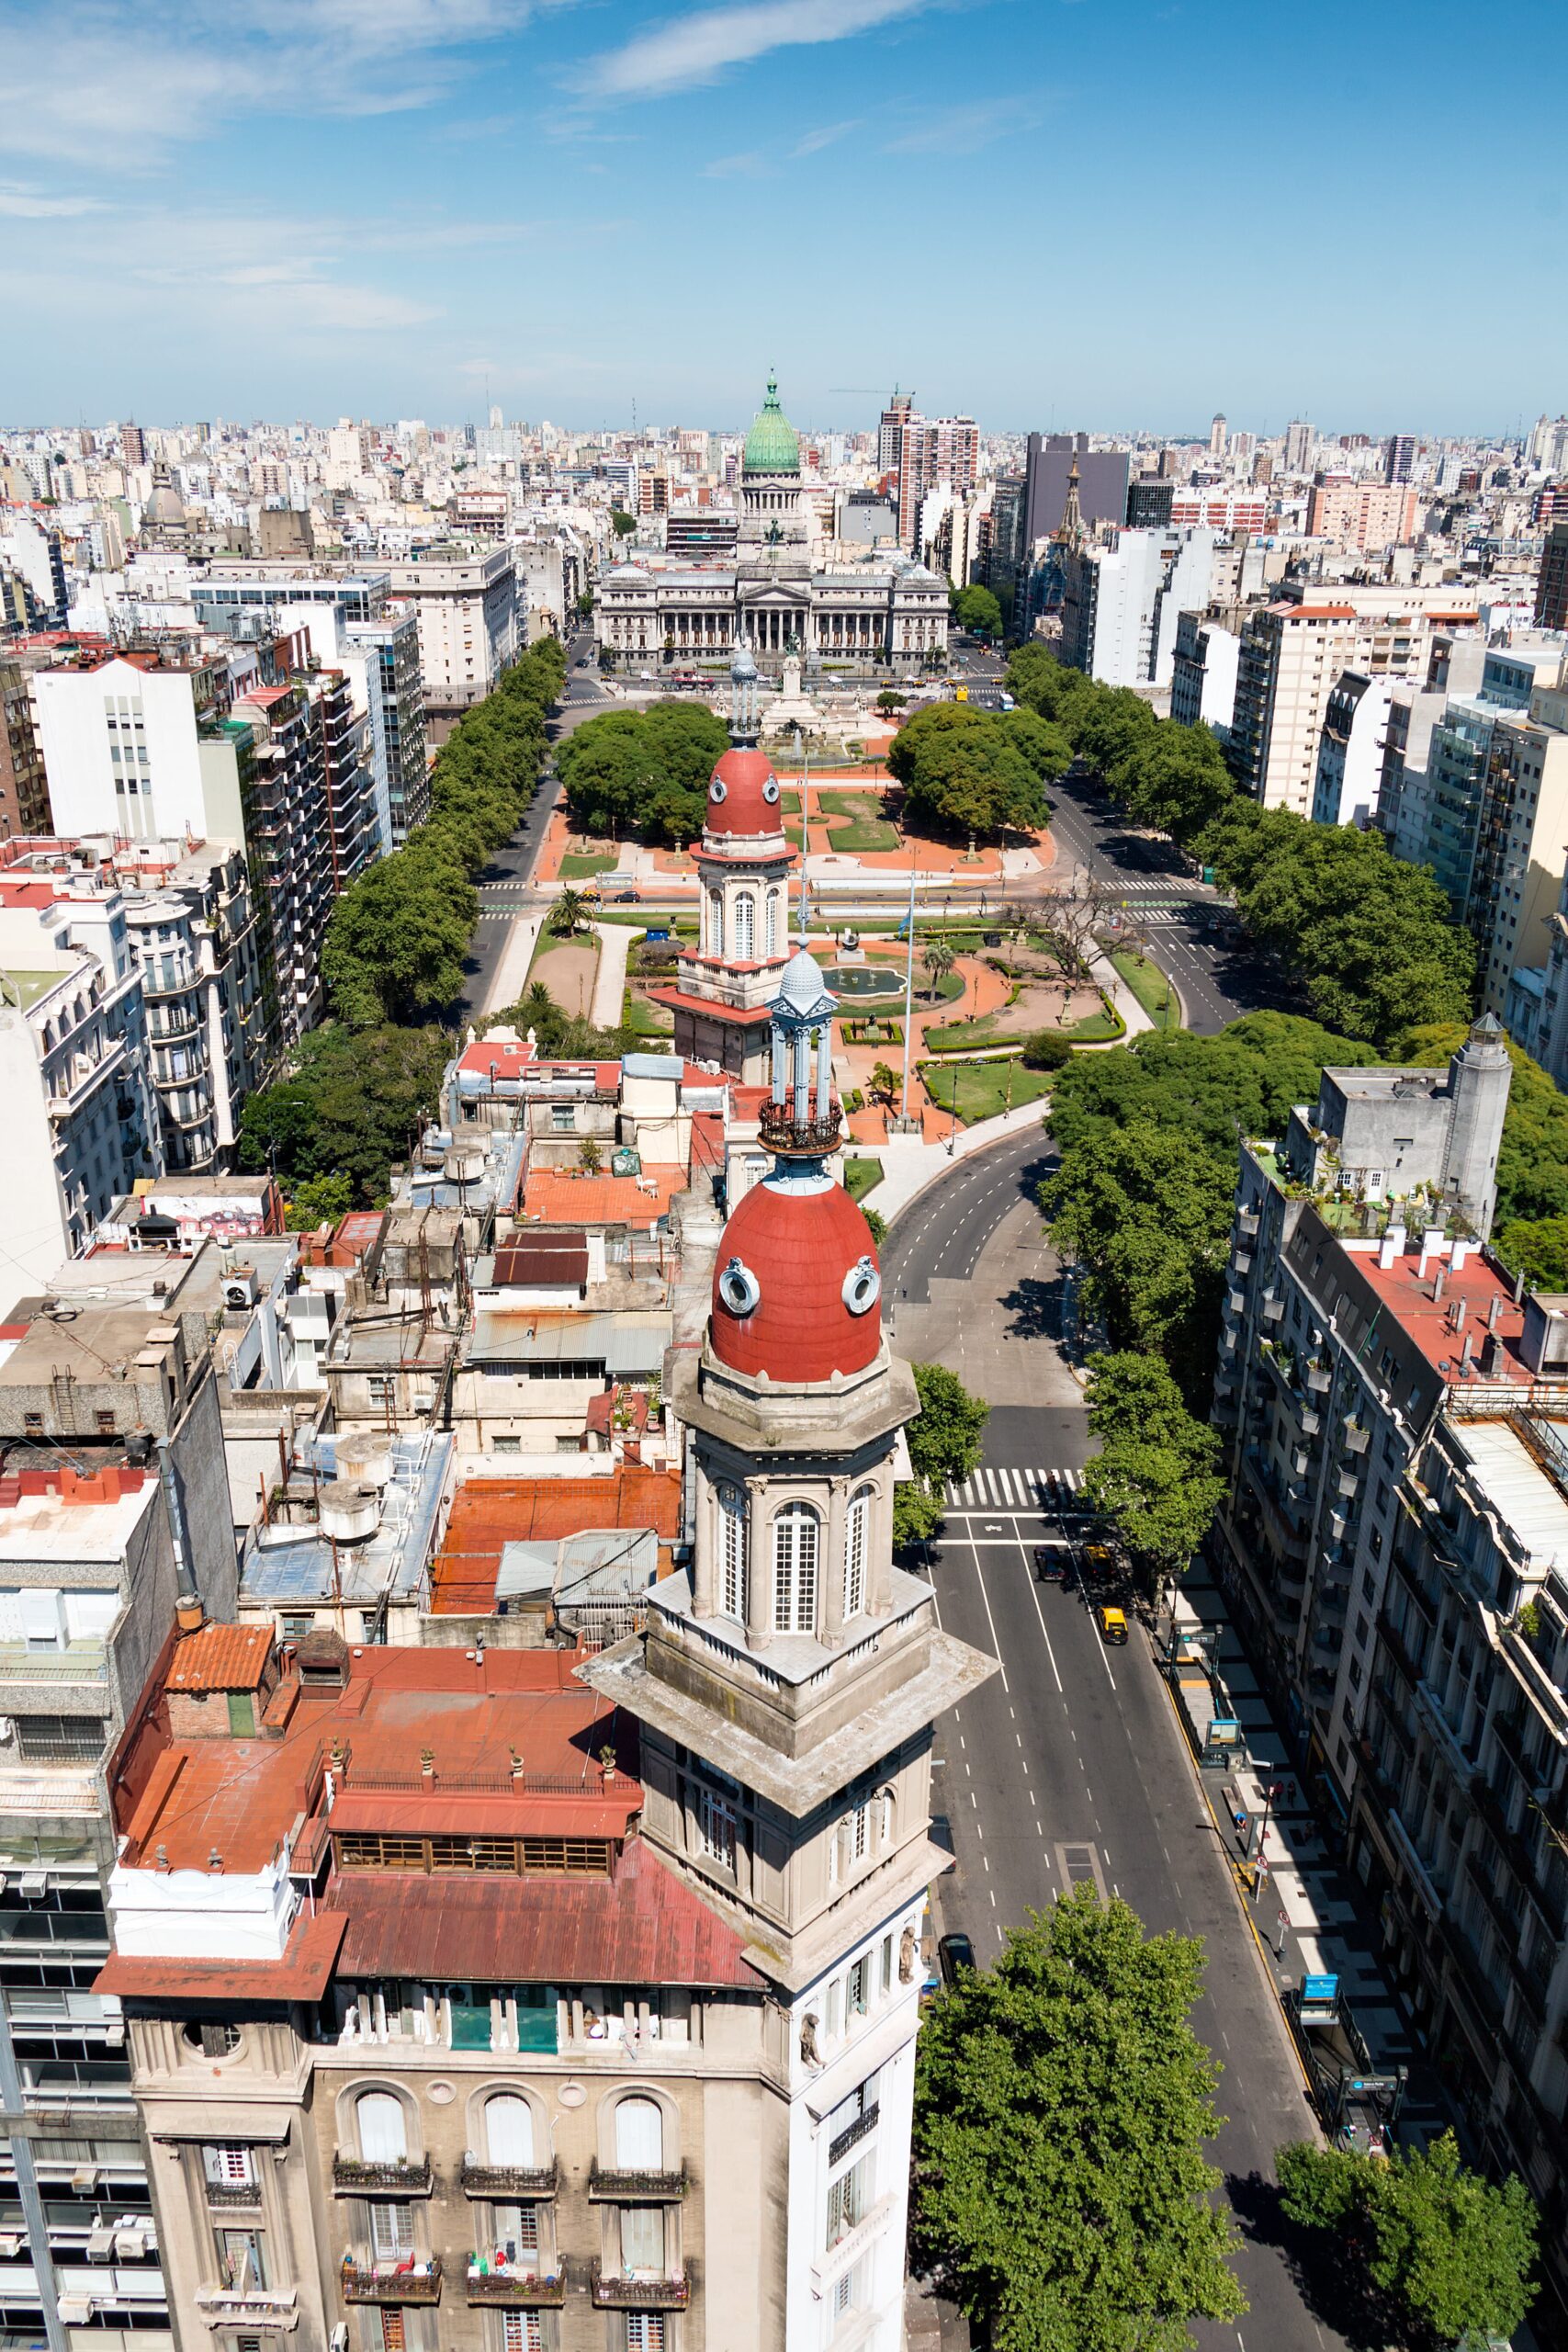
(1395, 1415)
(112, 1508)
(1369, 516)
(656, 2091)
(1291, 657)
(80, 1121)
(465, 601)
(24, 787)
(1123, 598)
(1352, 750)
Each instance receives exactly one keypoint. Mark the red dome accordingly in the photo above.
(743, 797)
(798, 1255)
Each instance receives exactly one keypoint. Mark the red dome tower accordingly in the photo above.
(725, 985)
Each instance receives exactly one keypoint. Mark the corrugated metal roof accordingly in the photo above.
(630, 1342)
(640, 1928)
(553, 1258)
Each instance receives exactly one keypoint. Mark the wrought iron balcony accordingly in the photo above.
(508, 2180)
(397, 2177)
(626, 2187)
(382, 2283)
(514, 2288)
(810, 1136)
(225, 2195)
(248, 2307)
(612, 2292)
(852, 2133)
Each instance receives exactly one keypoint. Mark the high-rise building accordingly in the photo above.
(1299, 439)
(1399, 456)
(1121, 601)
(1217, 439)
(890, 426)
(24, 785)
(467, 604)
(1369, 516)
(1552, 586)
(133, 444)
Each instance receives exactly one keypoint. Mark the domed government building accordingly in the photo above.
(777, 591)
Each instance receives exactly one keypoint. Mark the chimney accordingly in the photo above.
(1438, 1283)
(1458, 1312)
(1391, 1248)
(1467, 1351)
(1491, 1355)
(1495, 1309)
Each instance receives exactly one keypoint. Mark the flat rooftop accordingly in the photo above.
(490, 1514)
(1527, 1501)
(1407, 1294)
(240, 1798)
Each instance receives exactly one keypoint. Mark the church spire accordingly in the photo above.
(1071, 531)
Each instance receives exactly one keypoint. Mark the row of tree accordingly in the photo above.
(397, 936)
(1370, 939)
(642, 775)
(1062, 2191)
(967, 771)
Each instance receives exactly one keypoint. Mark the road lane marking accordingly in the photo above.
(1035, 1598)
(992, 1622)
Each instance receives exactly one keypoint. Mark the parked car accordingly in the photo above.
(1112, 1625)
(1052, 1562)
(955, 1953)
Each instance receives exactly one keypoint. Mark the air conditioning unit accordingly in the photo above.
(240, 1288)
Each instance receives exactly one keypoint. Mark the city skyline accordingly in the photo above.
(565, 210)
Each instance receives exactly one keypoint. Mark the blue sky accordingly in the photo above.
(1105, 213)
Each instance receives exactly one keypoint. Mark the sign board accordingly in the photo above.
(1225, 1731)
(1318, 1990)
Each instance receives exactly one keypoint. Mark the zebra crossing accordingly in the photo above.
(1011, 1489)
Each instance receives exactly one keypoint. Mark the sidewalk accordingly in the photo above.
(510, 973)
(610, 981)
(1302, 1905)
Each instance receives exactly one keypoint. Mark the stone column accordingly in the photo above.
(831, 1569)
(759, 1566)
(803, 1074)
(703, 1554)
(823, 1067)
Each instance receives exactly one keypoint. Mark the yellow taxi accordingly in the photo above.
(1112, 1624)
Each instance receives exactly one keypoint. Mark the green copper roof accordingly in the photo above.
(772, 446)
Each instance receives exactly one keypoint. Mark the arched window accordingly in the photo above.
(857, 1541)
(383, 2136)
(772, 923)
(734, 1596)
(639, 2136)
(716, 922)
(795, 1569)
(745, 927)
(509, 2131)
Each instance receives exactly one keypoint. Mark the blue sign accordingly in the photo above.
(1319, 1989)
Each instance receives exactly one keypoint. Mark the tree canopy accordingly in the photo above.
(969, 771)
(944, 1443)
(976, 609)
(350, 1105)
(1156, 1476)
(1451, 2249)
(1369, 939)
(642, 773)
(397, 938)
(1062, 2107)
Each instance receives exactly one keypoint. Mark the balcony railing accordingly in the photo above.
(852, 2133)
(656, 2188)
(362, 2176)
(782, 1131)
(248, 2307)
(531, 2290)
(82, 1662)
(612, 2292)
(226, 2195)
(508, 2180)
(383, 2283)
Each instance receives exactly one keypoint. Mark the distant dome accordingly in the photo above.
(796, 1285)
(743, 797)
(803, 990)
(772, 446)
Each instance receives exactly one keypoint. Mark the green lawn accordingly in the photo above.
(862, 837)
(860, 1175)
(963, 1033)
(1149, 985)
(578, 864)
(642, 1019)
(789, 802)
(984, 1089)
(1096, 1028)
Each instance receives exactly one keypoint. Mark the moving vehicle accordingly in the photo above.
(955, 1953)
(1112, 1625)
(1052, 1562)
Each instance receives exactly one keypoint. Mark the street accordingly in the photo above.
(1069, 1767)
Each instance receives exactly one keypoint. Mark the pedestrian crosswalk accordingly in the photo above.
(1013, 1490)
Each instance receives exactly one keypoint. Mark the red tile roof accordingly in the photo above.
(221, 1657)
(302, 1974)
(1429, 1321)
(556, 1196)
(730, 1014)
(801, 1249)
(640, 1928)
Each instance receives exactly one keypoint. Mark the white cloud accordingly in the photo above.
(21, 202)
(815, 141)
(696, 48)
(749, 166)
(964, 129)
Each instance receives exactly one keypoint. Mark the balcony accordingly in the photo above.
(782, 1131)
(383, 2282)
(612, 2292)
(50, 1678)
(86, 1075)
(248, 2307)
(507, 2180)
(233, 2196)
(1356, 1437)
(626, 2187)
(526, 2290)
(852, 2134)
(361, 2176)
(1320, 1378)
(169, 976)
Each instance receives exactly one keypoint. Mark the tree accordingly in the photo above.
(1156, 1476)
(351, 1104)
(939, 956)
(590, 1158)
(916, 1514)
(1062, 2107)
(318, 1200)
(978, 610)
(878, 1225)
(621, 523)
(944, 1436)
(883, 1083)
(1451, 2248)
(642, 773)
(1537, 1251)
(889, 700)
(566, 915)
(964, 771)
(1045, 1049)
(1070, 923)
(397, 938)
(586, 604)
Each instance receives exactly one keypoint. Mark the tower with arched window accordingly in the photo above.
(788, 1684)
(726, 983)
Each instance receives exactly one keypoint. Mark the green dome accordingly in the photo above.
(772, 446)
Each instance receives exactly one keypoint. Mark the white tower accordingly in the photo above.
(787, 1688)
